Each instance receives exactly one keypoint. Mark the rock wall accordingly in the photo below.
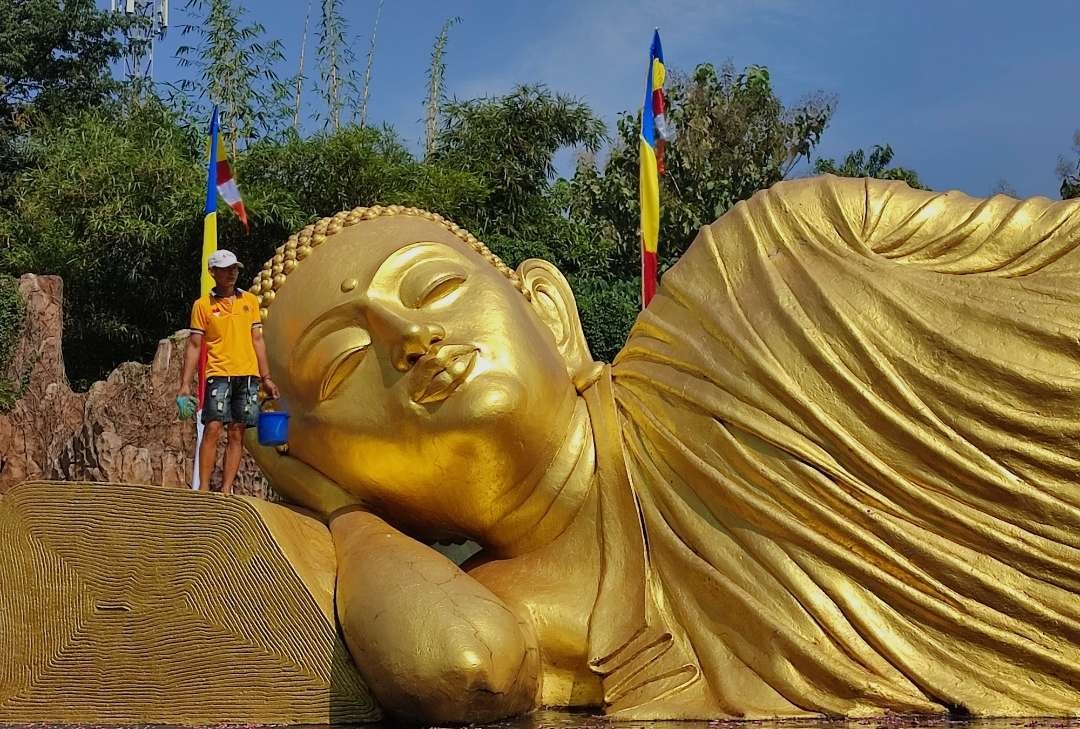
(123, 429)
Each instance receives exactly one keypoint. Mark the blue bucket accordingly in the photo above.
(273, 428)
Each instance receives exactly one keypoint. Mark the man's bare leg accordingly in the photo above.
(233, 451)
(208, 453)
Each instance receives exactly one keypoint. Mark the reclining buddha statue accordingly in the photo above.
(833, 472)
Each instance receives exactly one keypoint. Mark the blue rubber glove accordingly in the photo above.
(186, 404)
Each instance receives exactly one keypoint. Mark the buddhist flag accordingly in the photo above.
(655, 132)
(226, 186)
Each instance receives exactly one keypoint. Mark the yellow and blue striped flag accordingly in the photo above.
(655, 132)
(210, 220)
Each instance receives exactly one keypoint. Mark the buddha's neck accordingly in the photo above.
(552, 498)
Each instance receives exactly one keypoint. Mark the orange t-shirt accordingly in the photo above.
(226, 322)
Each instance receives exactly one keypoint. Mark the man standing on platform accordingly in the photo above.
(228, 319)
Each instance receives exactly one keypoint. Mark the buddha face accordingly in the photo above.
(418, 378)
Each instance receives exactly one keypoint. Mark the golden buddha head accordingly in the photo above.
(422, 375)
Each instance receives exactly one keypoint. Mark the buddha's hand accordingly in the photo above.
(433, 644)
(298, 482)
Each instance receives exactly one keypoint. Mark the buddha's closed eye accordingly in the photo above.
(429, 281)
(441, 287)
(335, 357)
(340, 369)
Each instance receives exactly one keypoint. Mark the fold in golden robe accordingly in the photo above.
(851, 420)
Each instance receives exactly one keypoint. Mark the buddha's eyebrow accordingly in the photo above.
(414, 254)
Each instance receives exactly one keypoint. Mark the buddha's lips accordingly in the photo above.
(441, 371)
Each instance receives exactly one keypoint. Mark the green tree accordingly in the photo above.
(876, 165)
(510, 142)
(734, 137)
(54, 61)
(1069, 171)
(236, 71)
(12, 313)
(288, 185)
(112, 203)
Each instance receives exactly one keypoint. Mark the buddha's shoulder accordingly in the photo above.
(825, 197)
(836, 186)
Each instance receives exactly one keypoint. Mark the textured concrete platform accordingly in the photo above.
(140, 604)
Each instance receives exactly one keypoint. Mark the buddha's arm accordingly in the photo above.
(432, 643)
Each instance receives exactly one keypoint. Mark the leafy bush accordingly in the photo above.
(55, 60)
(287, 186)
(733, 137)
(12, 313)
(608, 309)
(859, 164)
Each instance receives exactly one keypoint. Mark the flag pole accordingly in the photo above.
(206, 282)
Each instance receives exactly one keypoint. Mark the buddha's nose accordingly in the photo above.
(409, 340)
(416, 341)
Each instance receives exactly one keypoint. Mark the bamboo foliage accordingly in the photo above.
(336, 61)
(300, 71)
(367, 71)
(435, 83)
(235, 70)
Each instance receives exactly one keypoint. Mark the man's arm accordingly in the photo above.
(264, 367)
(191, 361)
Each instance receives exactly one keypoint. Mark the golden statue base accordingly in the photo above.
(136, 604)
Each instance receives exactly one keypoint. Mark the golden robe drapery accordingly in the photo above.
(851, 419)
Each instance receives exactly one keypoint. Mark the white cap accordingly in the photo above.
(223, 259)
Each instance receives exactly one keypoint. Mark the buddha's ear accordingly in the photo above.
(554, 303)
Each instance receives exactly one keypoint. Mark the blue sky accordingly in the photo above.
(967, 93)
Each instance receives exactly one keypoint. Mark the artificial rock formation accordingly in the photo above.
(139, 604)
(123, 429)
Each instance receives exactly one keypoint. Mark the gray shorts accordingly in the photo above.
(232, 400)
